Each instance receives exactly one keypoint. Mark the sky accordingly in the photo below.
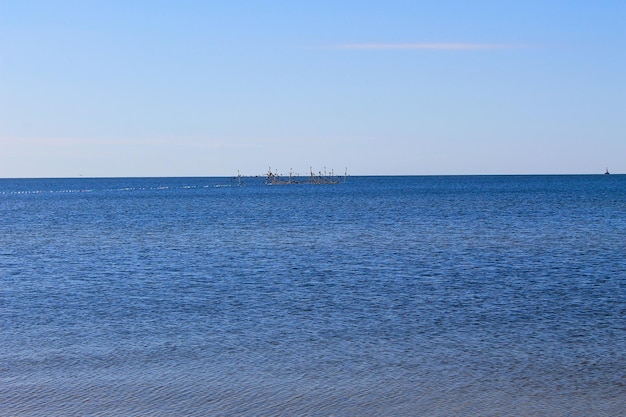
(121, 88)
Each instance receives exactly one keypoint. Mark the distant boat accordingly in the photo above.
(606, 172)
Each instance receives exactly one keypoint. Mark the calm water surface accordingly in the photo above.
(397, 296)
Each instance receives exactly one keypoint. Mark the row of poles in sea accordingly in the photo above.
(321, 177)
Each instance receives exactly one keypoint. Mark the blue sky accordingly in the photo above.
(202, 88)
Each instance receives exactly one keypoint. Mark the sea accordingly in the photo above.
(373, 296)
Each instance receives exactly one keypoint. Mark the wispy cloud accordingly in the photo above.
(431, 46)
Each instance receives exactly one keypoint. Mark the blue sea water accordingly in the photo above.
(398, 296)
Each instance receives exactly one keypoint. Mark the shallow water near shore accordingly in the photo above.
(460, 295)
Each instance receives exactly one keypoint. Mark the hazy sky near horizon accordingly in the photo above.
(206, 88)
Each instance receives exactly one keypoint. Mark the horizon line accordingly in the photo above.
(337, 175)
